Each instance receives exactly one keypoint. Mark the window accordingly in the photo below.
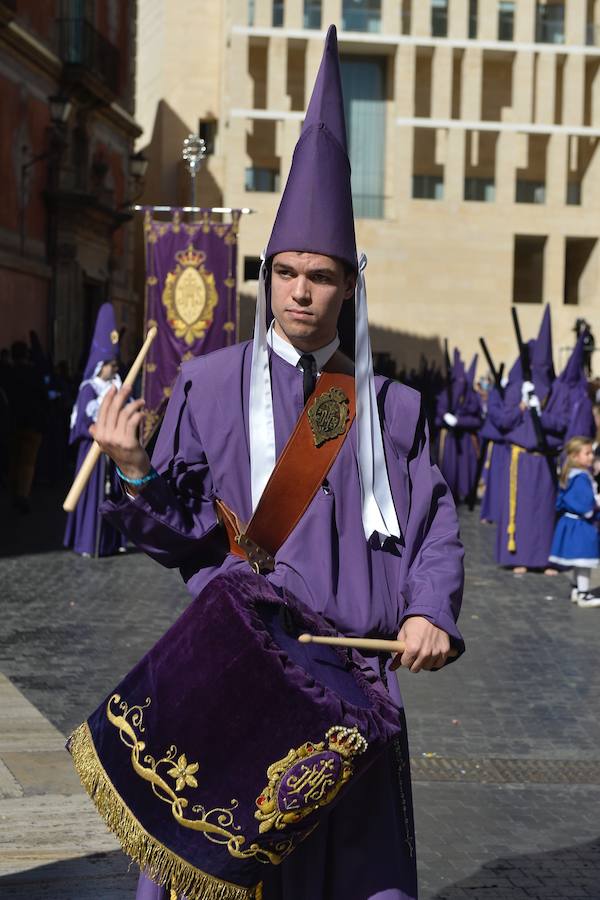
(405, 16)
(439, 18)
(207, 130)
(472, 19)
(580, 270)
(428, 173)
(550, 22)
(428, 187)
(573, 193)
(261, 179)
(506, 20)
(528, 270)
(361, 15)
(251, 10)
(251, 268)
(277, 14)
(591, 23)
(363, 81)
(531, 178)
(481, 189)
(312, 14)
(530, 191)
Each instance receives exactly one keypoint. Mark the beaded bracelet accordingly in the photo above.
(138, 482)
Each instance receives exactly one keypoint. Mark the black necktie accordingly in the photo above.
(309, 369)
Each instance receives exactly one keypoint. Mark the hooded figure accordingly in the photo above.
(458, 442)
(497, 457)
(573, 381)
(376, 550)
(85, 532)
(528, 490)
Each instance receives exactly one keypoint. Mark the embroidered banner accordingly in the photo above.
(190, 297)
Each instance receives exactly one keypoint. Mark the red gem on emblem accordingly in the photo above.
(261, 800)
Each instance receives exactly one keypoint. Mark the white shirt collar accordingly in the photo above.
(291, 354)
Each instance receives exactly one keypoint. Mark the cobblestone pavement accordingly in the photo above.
(505, 744)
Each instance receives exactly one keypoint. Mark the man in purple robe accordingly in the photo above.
(459, 418)
(377, 550)
(528, 487)
(85, 532)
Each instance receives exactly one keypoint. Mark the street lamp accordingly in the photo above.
(194, 151)
(60, 110)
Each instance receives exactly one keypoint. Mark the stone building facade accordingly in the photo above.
(67, 84)
(473, 131)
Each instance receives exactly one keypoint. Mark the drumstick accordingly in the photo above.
(93, 455)
(379, 646)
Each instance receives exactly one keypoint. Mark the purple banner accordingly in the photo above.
(190, 297)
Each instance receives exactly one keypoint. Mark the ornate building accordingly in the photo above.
(67, 79)
(473, 135)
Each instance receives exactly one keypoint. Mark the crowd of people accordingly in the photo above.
(527, 445)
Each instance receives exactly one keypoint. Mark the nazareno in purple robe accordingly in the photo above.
(81, 531)
(459, 446)
(365, 848)
(497, 460)
(535, 487)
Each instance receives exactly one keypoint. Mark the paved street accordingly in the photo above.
(505, 744)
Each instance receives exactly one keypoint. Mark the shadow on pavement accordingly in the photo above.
(568, 873)
(100, 876)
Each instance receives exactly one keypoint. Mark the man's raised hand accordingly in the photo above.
(117, 432)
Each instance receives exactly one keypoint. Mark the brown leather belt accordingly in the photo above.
(305, 461)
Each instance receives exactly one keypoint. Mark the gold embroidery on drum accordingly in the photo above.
(217, 824)
(328, 415)
(307, 778)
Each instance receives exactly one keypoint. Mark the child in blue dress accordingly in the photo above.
(576, 542)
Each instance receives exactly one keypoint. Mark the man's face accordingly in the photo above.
(307, 292)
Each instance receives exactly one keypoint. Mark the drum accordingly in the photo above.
(226, 744)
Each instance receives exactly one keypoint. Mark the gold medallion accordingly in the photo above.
(328, 415)
(190, 296)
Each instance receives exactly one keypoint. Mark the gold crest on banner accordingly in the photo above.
(190, 296)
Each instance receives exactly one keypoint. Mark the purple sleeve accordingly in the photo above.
(173, 518)
(433, 582)
(469, 421)
(80, 430)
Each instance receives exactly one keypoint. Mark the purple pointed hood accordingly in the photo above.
(472, 370)
(573, 373)
(105, 343)
(315, 213)
(542, 366)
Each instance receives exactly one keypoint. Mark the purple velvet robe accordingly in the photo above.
(536, 488)
(83, 523)
(363, 588)
(497, 460)
(459, 446)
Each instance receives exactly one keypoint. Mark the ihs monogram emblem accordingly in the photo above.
(308, 778)
(328, 415)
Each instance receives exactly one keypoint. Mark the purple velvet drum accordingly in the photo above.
(220, 751)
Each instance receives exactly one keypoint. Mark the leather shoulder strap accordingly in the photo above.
(300, 470)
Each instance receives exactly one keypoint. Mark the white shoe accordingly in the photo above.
(588, 601)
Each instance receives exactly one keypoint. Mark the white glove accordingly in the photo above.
(534, 403)
(450, 420)
(527, 388)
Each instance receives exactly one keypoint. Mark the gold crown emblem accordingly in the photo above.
(190, 257)
(348, 742)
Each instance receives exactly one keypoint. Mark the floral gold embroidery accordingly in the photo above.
(184, 773)
(217, 824)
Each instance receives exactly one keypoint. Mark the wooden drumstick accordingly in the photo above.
(93, 455)
(374, 644)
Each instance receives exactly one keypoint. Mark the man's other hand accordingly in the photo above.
(426, 645)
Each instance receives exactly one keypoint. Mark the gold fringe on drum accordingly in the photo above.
(161, 864)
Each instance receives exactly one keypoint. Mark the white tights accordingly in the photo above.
(582, 578)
